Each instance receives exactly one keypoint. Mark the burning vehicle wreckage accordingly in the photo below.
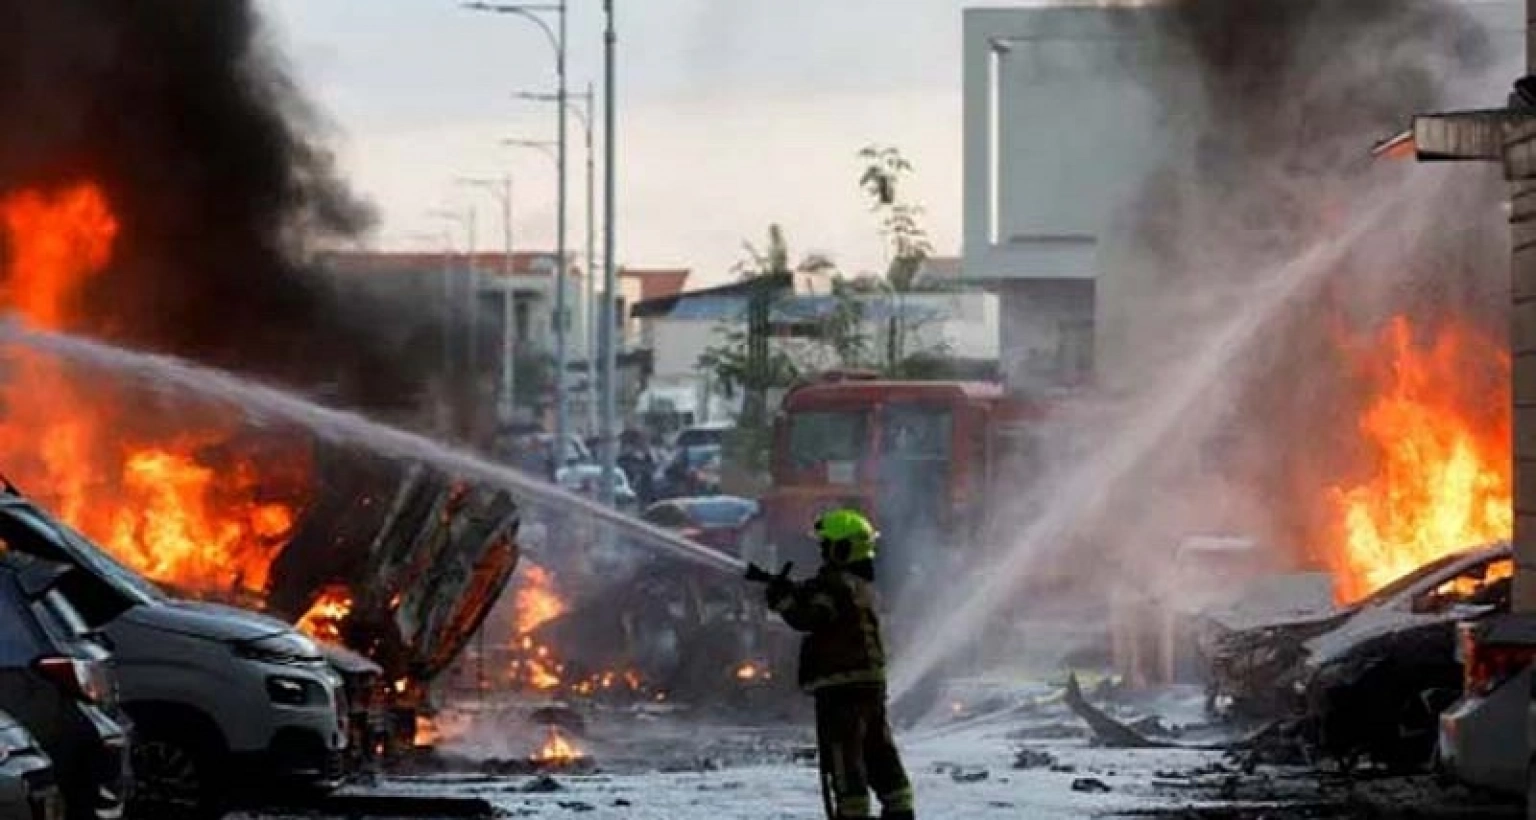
(1353, 684)
(391, 567)
(399, 570)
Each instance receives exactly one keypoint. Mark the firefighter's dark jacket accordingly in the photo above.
(837, 609)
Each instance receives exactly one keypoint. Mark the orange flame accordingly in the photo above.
(1441, 431)
(426, 734)
(161, 488)
(749, 671)
(556, 751)
(537, 602)
(323, 620)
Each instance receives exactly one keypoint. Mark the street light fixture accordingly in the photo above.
(585, 116)
(535, 13)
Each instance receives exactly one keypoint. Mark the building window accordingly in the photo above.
(521, 320)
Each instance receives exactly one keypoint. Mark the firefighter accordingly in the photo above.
(842, 664)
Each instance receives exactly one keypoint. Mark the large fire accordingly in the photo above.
(1441, 429)
(536, 603)
(162, 486)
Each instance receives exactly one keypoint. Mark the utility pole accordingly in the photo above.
(592, 307)
(586, 116)
(557, 41)
(562, 314)
(610, 232)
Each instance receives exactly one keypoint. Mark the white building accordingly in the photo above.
(1058, 137)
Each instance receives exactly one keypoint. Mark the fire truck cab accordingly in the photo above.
(928, 460)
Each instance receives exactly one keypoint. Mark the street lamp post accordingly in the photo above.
(585, 116)
(501, 190)
(550, 149)
(606, 329)
(557, 40)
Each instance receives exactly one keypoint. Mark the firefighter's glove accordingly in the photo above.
(779, 591)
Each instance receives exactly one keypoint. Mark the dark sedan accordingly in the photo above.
(1368, 681)
(721, 521)
(56, 681)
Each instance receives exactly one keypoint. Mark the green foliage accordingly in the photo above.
(900, 220)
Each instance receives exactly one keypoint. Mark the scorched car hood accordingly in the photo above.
(204, 620)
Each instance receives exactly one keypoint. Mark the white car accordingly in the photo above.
(227, 705)
(587, 479)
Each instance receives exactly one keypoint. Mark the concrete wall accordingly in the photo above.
(1058, 135)
(1520, 167)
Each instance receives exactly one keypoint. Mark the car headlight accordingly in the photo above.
(294, 692)
(282, 648)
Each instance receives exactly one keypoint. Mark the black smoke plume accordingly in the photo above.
(184, 113)
(1274, 106)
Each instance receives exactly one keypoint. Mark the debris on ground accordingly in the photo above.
(1090, 785)
(543, 784)
(969, 775)
(1106, 730)
(1027, 758)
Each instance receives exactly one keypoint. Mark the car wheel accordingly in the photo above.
(173, 779)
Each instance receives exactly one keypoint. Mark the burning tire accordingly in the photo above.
(174, 775)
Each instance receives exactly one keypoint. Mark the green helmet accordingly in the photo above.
(846, 536)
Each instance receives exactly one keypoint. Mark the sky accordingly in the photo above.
(732, 115)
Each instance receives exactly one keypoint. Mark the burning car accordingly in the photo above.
(1368, 680)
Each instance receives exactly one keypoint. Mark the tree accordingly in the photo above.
(885, 170)
(744, 363)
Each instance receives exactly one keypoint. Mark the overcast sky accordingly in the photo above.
(733, 114)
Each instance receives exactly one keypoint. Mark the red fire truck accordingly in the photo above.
(931, 461)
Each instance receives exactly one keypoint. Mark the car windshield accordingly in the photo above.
(721, 512)
(823, 437)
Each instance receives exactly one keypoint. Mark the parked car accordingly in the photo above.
(587, 479)
(722, 521)
(1485, 737)
(28, 790)
(227, 705)
(1369, 680)
(55, 677)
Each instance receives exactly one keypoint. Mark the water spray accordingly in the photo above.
(1082, 490)
(263, 402)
